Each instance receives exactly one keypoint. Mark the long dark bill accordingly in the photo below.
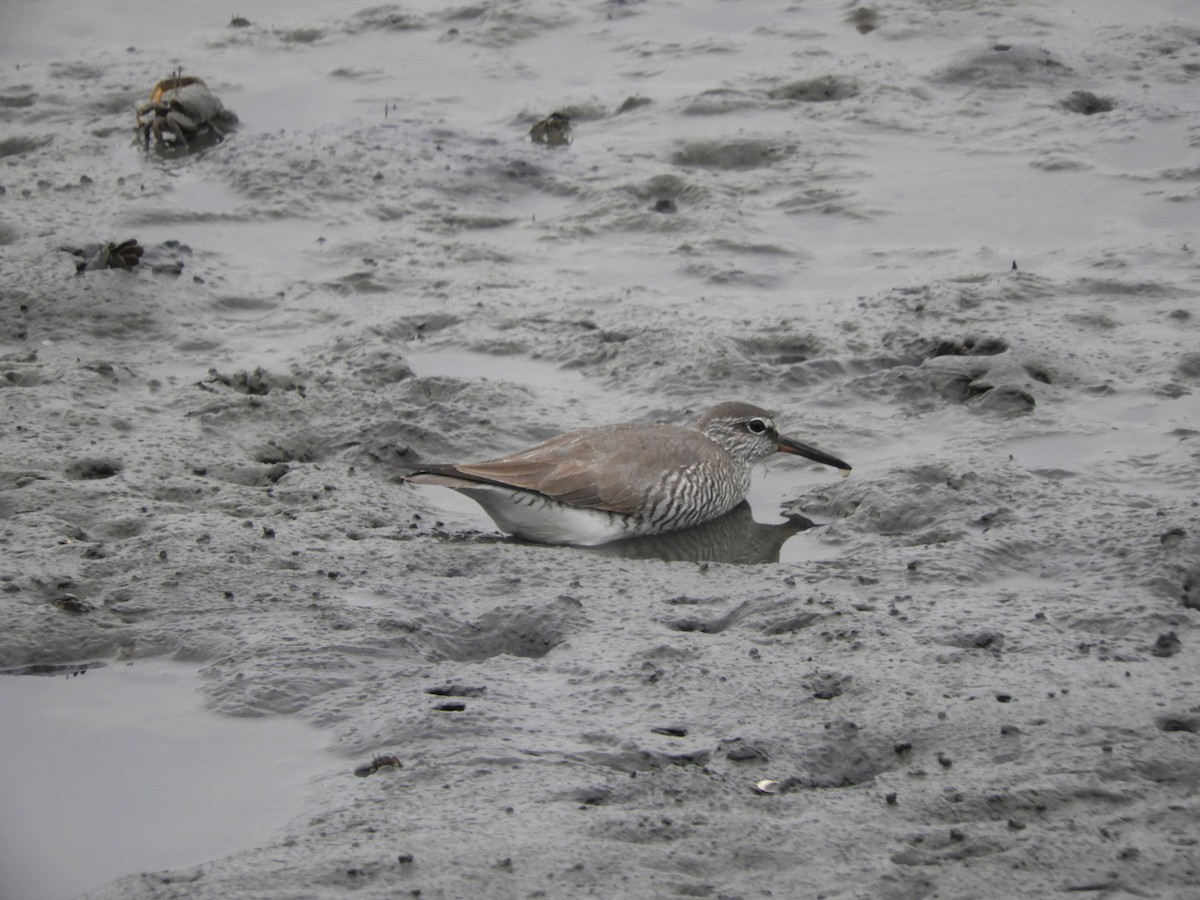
(787, 445)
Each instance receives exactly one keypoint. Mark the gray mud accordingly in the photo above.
(970, 667)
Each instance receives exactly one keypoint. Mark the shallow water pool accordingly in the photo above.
(121, 769)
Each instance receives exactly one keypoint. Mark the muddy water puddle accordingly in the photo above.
(120, 769)
(457, 363)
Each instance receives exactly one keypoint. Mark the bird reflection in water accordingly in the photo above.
(733, 538)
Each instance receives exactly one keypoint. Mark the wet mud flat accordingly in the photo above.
(955, 247)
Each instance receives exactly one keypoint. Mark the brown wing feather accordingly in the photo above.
(611, 468)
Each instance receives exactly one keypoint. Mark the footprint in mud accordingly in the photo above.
(93, 469)
(526, 631)
(717, 624)
(951, 846)
(827, 685)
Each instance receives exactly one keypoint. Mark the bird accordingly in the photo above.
(600, 484)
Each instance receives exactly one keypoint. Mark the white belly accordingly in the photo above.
(540, 519)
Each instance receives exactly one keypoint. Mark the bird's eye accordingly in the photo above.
(756, 426)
